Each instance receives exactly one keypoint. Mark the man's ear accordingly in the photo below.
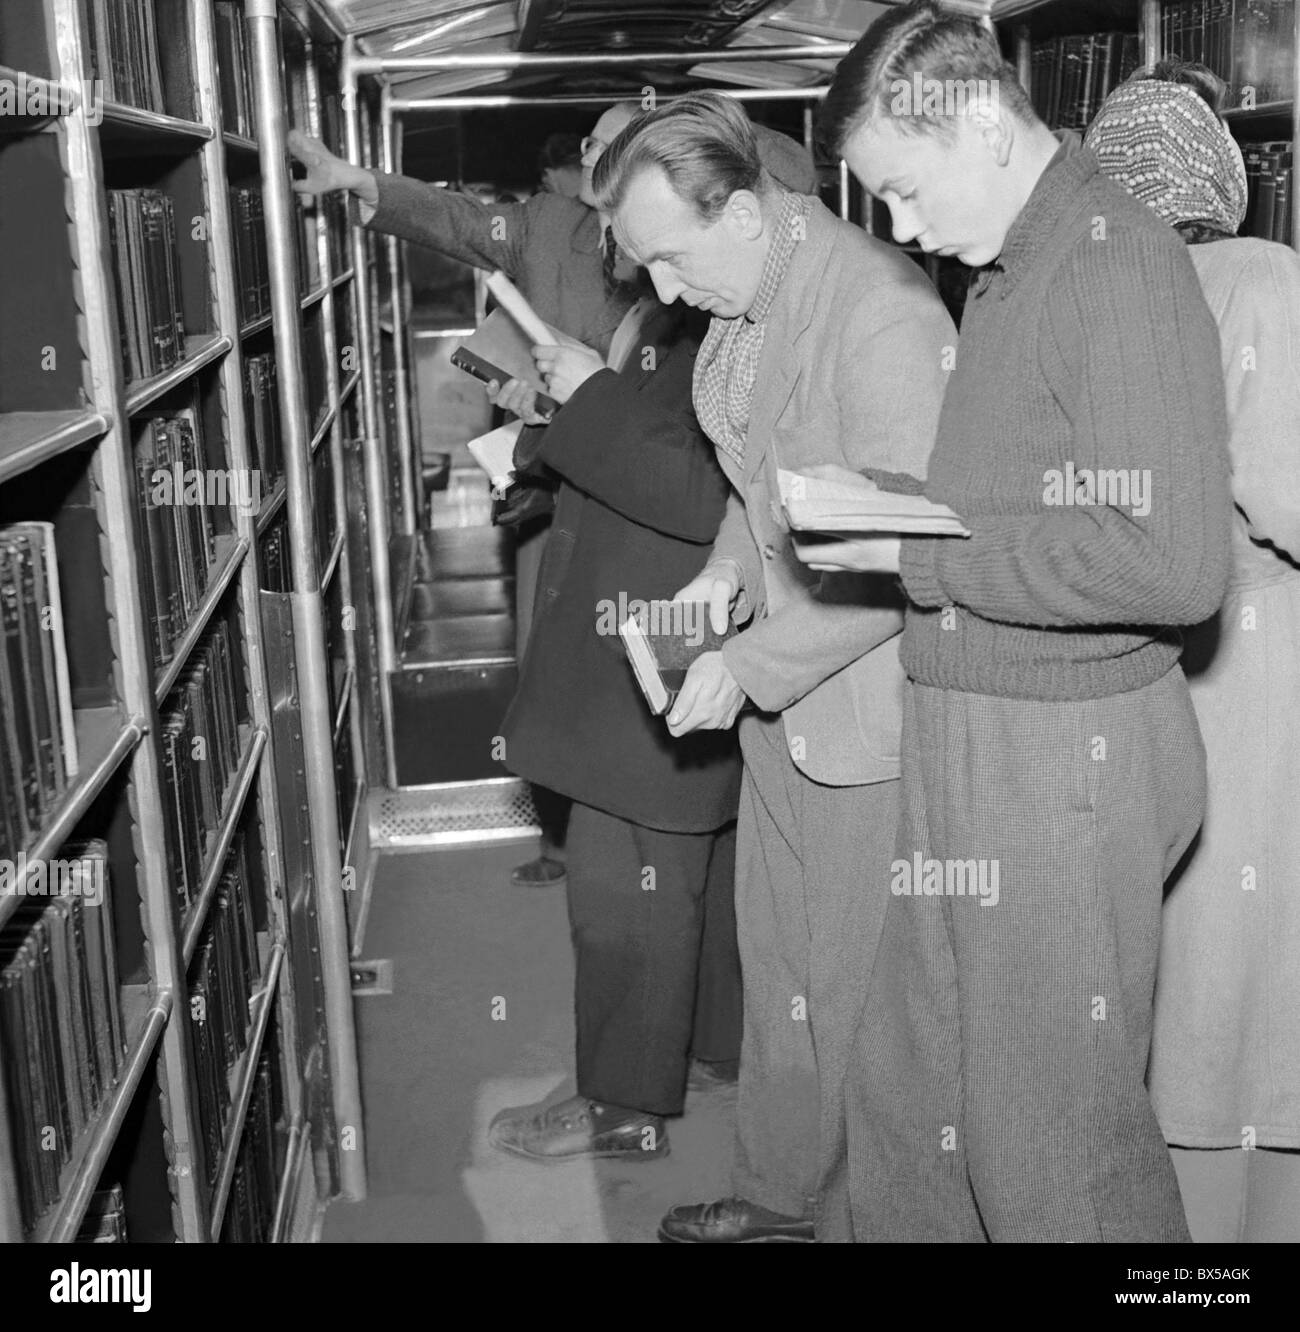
(744, 215)
(996, 129)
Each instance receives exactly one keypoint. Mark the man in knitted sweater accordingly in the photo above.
(1052, 769)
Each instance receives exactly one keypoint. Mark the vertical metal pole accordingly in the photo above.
(808, 127)
(411, 379)
(400, 314)
(343, 573)
(376, 485)
(1295, 120)
(232, 385)
(308, 611)
(844, 189)
(1151, 51)
(1025, 60)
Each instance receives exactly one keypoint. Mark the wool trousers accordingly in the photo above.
(657, 975)
(996, 1090)
(811, 889)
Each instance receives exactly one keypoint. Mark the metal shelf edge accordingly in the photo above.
(272, 506)
(345, 695)
(333, 563)
(225, 573)
(201, 350)
(230, 815)
(323, 429)
(62, 1223)
(86, 786)
(245, 1072)
(119, 114)
(65, 430)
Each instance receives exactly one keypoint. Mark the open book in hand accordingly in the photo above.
(495, 453)
(816, 504)
(662, 641)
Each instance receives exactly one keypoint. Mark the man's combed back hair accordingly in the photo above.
(918, 38)
(703, 142)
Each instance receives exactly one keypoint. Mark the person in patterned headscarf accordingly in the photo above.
(1225, 1053)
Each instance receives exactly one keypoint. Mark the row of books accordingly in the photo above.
(123, 42)
(307, 249)
(315, 372)
(223, 977)
(252, 267)
(337, 230)
(326, 525)
(146, 276)
(1249, 43)
(201, 750)
(345, 782)
(105, 1218)
(1071, 76)
(60, 1018)
(275, 572)
(177, 505)
(262, 412)
(1268, 181)
(250, 1209)
(233, 66)
(38, 745)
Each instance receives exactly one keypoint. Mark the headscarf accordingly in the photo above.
(1167, 148)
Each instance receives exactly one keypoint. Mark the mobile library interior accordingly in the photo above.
(259, 628)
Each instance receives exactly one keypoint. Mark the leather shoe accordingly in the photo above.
(544, 872)
(732, 1221)
(579, 1128)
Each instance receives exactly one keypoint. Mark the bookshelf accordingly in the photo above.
(1067, 66)
(179, 1062)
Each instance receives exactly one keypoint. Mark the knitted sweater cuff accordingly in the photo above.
(918, 567)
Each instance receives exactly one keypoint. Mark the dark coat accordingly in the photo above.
(640, 504)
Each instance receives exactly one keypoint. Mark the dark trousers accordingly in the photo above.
(996, 1090)
(657, 970)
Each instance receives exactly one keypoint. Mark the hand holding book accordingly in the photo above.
(868, 523)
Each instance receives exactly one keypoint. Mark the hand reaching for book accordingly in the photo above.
(710, 699)
(327, 172)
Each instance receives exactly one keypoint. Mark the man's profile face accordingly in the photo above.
(715, 266)
(603, 133)
(946, 194)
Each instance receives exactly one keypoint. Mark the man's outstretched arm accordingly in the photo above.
(485, 235)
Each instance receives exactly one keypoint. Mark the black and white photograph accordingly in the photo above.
(649, 622)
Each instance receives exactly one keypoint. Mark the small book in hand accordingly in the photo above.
(662, 642)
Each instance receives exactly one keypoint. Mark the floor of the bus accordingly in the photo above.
(481, 1017)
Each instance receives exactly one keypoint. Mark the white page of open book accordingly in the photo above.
(495, 452)
(816, 504)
